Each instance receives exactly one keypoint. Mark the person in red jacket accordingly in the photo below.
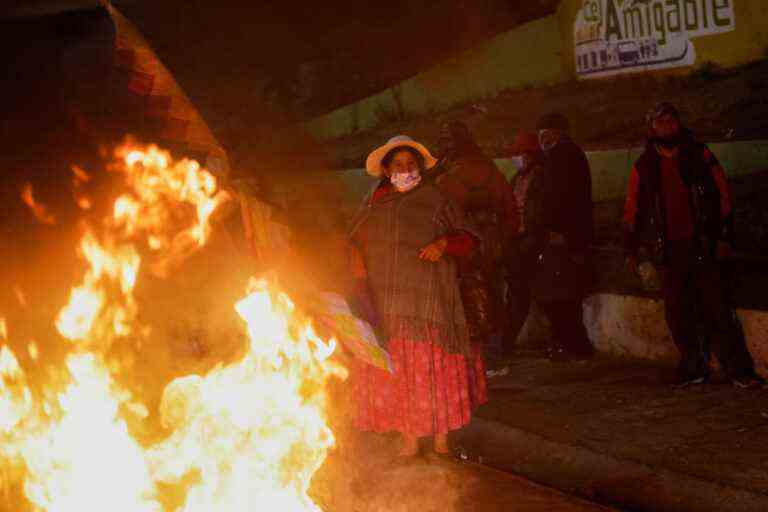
(679, 207)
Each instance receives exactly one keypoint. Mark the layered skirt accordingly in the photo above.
(430, 392)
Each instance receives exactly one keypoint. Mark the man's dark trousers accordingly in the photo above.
(697, 285)
(565, 316)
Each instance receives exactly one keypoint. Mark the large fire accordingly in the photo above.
(244, 436)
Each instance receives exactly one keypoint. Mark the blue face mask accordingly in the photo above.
(518, 161)
(405, 181)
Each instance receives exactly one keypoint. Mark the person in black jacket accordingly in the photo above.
(563, 273)
(679, 206)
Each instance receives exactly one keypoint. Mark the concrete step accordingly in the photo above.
(602, 478)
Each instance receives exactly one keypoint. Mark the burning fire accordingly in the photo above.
(245, 436)
(38, 209)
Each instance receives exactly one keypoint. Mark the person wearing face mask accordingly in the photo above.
(563, 269)
(405, 241)
(530, 186)
(679, 209)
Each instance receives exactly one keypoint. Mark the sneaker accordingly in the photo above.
(684, 381)
(558, 353)
(747, 382)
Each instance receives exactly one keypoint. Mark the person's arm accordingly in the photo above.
(504, 203)
(360, 300)
(457, 238)
(723, 188)
(629, 225)
(512, 212)
(572, 205)
(725, 237)
(356, 263)
(460, 244)
(553, 199)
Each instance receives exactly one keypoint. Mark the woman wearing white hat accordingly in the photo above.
(404, 239)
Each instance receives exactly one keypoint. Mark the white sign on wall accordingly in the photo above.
(626, 36)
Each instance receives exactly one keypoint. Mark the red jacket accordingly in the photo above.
(676, 197)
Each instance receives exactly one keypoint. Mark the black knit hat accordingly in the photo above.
(554, 121)
(662, 109)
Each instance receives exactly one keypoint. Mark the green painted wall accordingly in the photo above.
(747, 43)
(527, 56)
(534, 54)
(610, 169)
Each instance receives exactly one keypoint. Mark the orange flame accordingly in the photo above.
(246, 436)
(20, 296)
(79, 175)
(265, 448)
(39, 210)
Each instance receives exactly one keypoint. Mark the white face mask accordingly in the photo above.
(405, 181)
(548, 139)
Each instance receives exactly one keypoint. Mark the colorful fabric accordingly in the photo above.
(357, 336)
(430, 392)
(268, 241)
(165, 104)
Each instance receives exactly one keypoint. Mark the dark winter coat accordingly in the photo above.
(564, 273)
(570, 198)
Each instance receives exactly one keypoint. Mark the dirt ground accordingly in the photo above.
(363, 475)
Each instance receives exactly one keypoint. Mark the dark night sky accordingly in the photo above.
(230, 41)
(226, 53)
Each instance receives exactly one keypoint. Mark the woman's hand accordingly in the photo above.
(434, 251)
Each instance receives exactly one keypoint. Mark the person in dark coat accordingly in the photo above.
(472, 180)
(563, 275)
(679, 206)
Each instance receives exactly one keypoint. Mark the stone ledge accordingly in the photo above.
(632, 326)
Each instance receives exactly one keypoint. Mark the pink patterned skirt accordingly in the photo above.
(430, 392)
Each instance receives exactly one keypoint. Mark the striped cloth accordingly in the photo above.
(168, 113)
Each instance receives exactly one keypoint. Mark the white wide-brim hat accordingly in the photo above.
(373, 163)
